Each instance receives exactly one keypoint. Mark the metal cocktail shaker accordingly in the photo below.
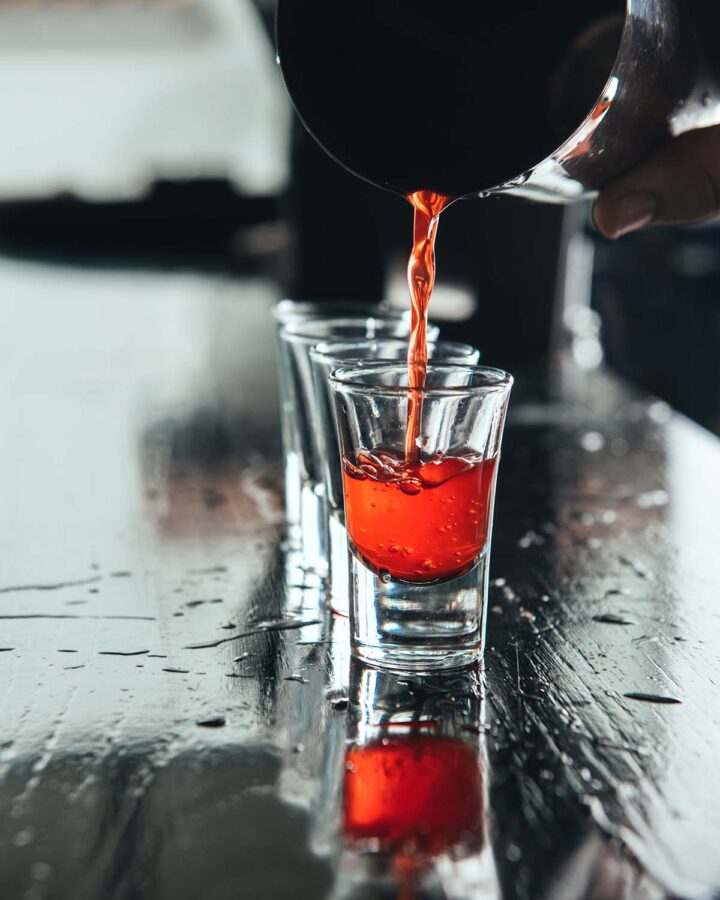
(549, 100)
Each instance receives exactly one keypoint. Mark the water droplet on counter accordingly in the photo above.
(613, 619)
(592, 441)
(659, 412)
(41, 871)
(652, 698)
(24, 837)
(214, 722)
(651, 499)
(529, 539)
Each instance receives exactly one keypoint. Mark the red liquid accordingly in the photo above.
(420, 522)
(421, 278)
(419, 796)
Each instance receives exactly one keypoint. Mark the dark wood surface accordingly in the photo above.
(139, 455)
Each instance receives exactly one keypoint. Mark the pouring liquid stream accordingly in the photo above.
(427, 207)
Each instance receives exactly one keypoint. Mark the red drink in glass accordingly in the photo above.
(420, 522)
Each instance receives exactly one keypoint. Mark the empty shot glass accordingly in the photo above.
(284, 312)
(419, 508)
(326, 357)
(303, 469)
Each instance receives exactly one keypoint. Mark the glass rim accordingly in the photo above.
(320, 352)
(341, 379)
(281, 309)
(302, 331)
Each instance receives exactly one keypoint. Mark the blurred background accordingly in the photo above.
(154, 136)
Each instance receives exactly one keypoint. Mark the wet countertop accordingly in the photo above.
(141, 518)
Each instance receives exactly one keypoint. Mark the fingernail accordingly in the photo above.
(634, 211)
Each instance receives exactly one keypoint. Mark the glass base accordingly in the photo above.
(418, 627)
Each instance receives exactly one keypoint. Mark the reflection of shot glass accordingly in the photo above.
(414, 795)
(418, 508)
(303, 469)
(326, 357)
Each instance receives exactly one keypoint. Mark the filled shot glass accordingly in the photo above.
(419, 469)
(325, 358)
(303, 467)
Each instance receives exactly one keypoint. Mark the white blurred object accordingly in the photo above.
(101, 99)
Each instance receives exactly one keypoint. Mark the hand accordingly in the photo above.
(678, 185)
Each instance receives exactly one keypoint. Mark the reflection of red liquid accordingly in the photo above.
(419, 796)
(421, 278)
(419, 522)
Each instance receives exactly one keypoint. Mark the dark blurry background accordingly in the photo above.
(157, 136)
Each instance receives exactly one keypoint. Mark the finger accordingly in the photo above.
(679, 184)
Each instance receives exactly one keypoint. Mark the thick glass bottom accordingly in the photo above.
(418, 627)
(418, 659)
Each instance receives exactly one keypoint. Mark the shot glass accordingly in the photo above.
(326, 357)
(418, 508)
(303, 470)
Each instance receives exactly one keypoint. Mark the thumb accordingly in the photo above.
(679, 184)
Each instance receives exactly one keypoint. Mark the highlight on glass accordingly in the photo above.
(419, 469)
